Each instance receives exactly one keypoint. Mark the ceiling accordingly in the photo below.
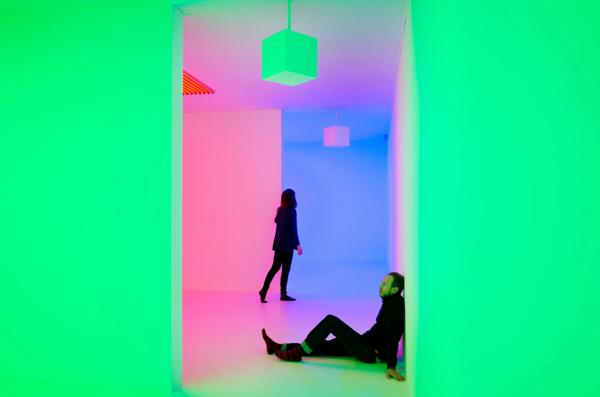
(358, 57)
(307, 125)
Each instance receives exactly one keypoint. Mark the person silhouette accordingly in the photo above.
(378, 343)
(285, 242)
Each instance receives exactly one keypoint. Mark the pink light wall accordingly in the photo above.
(231, 190)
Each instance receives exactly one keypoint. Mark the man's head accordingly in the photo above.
(392, 283)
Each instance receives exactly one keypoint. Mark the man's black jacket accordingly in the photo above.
(385, 335)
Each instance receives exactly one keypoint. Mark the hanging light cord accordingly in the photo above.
(289, 14)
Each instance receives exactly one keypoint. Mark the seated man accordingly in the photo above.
(380, 342)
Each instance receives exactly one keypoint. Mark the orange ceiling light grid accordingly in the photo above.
(193, 86)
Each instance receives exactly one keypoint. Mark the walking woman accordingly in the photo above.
(284, 244)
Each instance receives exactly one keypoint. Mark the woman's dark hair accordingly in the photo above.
(398, 281)
(288, 199)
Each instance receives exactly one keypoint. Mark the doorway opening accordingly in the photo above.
(250, 140)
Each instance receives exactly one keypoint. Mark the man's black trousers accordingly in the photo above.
(347, 342)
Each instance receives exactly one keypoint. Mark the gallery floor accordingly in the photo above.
(224, 355)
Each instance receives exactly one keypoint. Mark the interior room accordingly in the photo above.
(134, 239)
(245, 140)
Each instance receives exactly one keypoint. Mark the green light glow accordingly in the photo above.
(85, 165)
(289, 58)
(508, 191)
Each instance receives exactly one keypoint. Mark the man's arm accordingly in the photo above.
(392, 340)
(391, 351)
(394, 328)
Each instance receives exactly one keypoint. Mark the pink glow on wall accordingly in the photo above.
(231, 190)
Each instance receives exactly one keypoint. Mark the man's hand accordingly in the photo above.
(393, 374)
(299, 249)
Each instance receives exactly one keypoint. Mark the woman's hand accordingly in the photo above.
(299, 249)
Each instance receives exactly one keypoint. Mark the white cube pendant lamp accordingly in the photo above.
(336, 135)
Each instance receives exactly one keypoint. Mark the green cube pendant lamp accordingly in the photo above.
(289, 57)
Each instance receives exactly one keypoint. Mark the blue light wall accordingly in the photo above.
(342, 214)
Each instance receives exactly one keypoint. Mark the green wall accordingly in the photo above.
(508, 214)
(85, 171)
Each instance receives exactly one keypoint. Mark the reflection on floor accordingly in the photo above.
(224, 355)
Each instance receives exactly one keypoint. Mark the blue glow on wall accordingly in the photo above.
(342, 214)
